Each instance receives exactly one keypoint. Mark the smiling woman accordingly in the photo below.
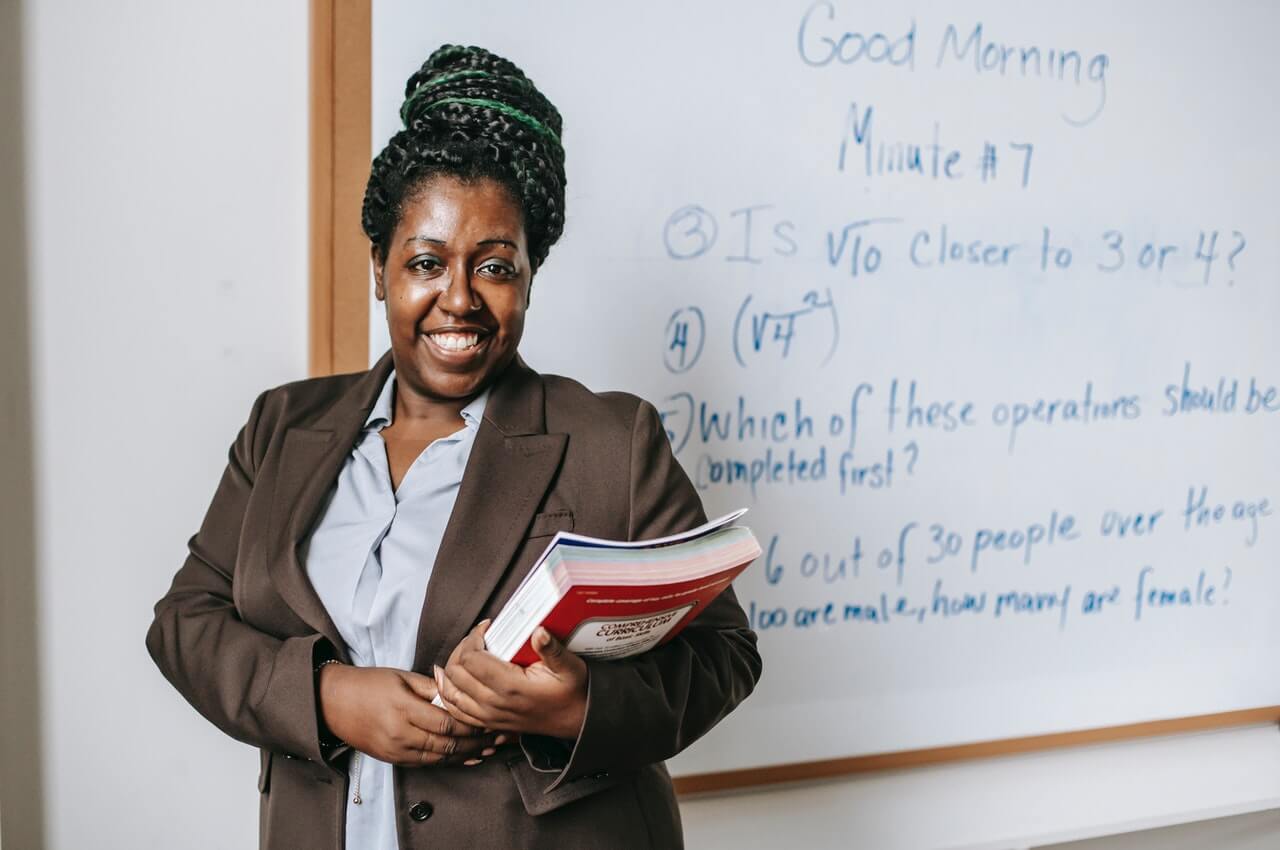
(369, 525)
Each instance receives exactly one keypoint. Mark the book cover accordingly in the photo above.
(607, 599)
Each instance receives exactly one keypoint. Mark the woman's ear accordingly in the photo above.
(379, 288)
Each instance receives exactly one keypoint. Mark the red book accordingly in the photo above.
(613, 599)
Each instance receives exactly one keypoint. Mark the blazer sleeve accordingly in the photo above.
(253, 686)
(647, 708)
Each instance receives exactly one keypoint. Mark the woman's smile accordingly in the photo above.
(457, 346)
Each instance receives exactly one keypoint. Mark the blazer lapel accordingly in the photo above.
(512, 463)
(310, 461)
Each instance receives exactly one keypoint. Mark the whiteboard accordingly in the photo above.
(972, 304)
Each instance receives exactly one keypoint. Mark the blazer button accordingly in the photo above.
(420, 811)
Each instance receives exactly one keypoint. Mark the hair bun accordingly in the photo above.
(458, 83)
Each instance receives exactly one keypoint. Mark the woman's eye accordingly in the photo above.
(497, 269)
(425, 264)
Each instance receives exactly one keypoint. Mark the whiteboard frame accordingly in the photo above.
(341, 131)
(341, 128)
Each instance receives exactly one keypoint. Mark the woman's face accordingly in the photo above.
(456, 285)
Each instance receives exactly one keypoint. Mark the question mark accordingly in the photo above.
(1231, 258)
(915, 453)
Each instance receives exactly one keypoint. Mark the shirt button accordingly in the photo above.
(420, 811)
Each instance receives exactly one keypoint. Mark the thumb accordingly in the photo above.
(550, 650)
(422, 686)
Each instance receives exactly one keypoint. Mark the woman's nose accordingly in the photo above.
(458, 297)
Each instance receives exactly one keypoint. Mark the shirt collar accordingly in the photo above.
(382, 413)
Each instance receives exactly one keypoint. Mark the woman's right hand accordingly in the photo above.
(387, 714)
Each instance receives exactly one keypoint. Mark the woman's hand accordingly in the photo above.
(548, 697)
(388, 714)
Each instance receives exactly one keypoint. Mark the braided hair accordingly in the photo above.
(472, 115)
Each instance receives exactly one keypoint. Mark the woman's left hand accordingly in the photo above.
(549, 697)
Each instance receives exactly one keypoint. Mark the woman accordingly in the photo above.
(368, 525)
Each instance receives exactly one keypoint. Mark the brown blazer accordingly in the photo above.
(241, 628)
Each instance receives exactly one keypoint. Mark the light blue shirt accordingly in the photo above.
(369, 559)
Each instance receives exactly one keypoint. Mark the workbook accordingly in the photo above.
(613, 598)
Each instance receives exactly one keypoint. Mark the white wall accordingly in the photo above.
(1025, 801)
(1257, 831)
(167, 205)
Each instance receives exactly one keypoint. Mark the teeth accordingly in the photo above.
(456, 341)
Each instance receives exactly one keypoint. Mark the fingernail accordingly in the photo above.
(487, 751)
(471, 762)
(439, 671)
(500, 740)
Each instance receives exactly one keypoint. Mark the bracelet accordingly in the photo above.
(328, 741)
